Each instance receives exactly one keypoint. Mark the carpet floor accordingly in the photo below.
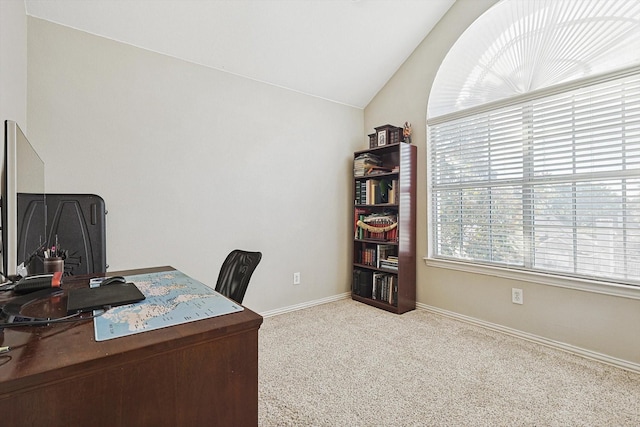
(347, 364)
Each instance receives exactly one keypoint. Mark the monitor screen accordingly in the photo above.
(23, 202)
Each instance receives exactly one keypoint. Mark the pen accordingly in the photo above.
(4, 349)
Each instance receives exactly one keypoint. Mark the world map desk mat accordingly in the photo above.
(172, 298)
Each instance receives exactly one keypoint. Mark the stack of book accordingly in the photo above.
(383, 252)
(390, 263)
(364, 162)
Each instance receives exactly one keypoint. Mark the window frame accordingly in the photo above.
(548, 278)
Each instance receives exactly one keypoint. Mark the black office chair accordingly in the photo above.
(235, 274)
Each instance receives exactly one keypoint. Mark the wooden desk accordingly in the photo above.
(203, 373)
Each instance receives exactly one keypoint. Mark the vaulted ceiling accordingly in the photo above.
(340, 50)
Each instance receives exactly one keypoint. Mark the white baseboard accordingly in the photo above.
(620, 363)
(305, 305)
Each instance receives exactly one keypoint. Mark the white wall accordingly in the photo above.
(13, 63)
(603, 326)
(193, 162)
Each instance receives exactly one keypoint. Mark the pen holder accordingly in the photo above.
(51, 265)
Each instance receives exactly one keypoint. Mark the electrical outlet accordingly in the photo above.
(517, 296)
(296, 278)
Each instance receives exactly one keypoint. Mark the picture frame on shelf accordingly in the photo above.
(382, 137)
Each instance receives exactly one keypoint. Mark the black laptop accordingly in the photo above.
(115, 294)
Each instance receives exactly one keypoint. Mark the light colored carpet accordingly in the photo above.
(347, 364)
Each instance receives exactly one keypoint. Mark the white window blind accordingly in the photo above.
(548, 184)
(521, 46)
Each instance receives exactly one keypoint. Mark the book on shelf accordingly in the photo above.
(362, 282)
(389, 259)
(376, 191)
(376, 226)
(393, 192)
(377, 255)
(373, 192)
(385, 287)
(367, 256)
(389, 266)
(360, 215)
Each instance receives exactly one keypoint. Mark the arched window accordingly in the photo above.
(534, 141)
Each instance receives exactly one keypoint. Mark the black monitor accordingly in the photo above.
(22, 202)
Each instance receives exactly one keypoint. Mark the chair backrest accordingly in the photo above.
(235, 273)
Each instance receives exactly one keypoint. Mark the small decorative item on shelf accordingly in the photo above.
(387, 134)
(406, 132)
(377, 227)
(373, 142)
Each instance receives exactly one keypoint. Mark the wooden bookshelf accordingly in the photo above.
(384, 227)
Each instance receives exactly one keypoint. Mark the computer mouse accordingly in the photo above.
(112, 280)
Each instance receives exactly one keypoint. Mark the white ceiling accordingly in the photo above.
(341, 50)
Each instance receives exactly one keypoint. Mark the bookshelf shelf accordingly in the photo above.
(369, 267)
(384, 225)
(379, 205)
(386, 242)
